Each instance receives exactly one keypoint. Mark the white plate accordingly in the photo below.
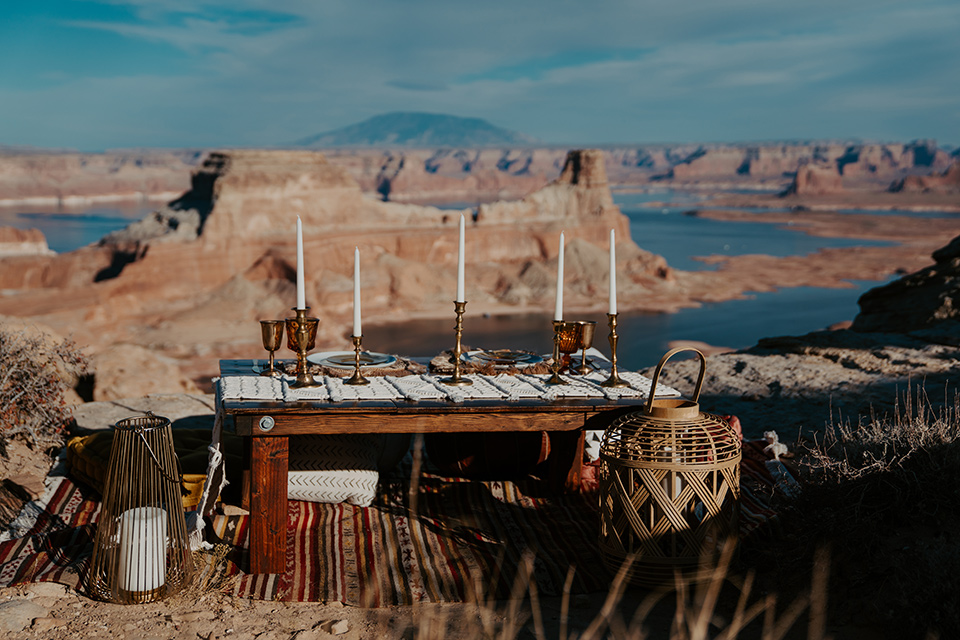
(346, 359)
(502, 358)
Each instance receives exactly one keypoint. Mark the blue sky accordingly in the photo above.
(104, 74)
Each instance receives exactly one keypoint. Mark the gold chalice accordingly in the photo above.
(271, 334)
(301, 338)
(568, 341)
(587, 329)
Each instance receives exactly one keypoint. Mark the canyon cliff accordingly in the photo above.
(73, 179)
(18, 242)
(190, 280)
(475, 175)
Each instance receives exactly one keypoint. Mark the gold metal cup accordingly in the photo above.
(271, 334)
(566, 340)
(569, 335)
(587, 330)
(301, 338)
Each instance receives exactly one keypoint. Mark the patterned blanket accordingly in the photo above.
(465, 541)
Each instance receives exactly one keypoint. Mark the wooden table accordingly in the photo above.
(267, 426)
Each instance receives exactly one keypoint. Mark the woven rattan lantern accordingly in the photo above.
(141, 552)
(669, 488)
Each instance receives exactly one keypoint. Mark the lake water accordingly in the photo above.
(69, 230)
(643, 337)
(678, 237)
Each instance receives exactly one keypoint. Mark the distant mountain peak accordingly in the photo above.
(417, 129)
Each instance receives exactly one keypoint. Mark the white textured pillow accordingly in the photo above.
(334, 468)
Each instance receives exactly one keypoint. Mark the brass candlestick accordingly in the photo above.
(555, 378)
(614, 380)
(357, 377)
(456, 379)
(301, 338)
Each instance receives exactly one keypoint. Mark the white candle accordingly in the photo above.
(143, 549)
(301, 295)
(613, 272)
(356, 292)
(558, 312)
(460, 258)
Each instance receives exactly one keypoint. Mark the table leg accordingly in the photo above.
(566, 460)
(268, 504)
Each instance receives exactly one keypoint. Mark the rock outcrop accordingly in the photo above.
(712, 163)
(76, 179)
(907, 336)
(127, 370)
(917, 302)
(23, 242)
(947, 181)
(815, 180)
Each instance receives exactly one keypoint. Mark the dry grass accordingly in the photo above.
(875, 527)
(882, 494)
(725, 607)
(32, 386)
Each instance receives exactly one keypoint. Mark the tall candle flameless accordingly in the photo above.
(613, 272)
(460, 259)
(143, 549)
(356, 292)
(301, 295)
(558, 312)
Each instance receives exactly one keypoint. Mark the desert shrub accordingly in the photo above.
(882, 493)
(33, 370)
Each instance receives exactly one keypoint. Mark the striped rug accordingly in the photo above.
(466, 541)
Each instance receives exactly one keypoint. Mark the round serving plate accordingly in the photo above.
(502, 358)
(346, 359)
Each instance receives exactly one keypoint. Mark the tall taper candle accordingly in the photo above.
(460, 258)
(301, 295)
(613, 272)
(558, 312)
(356, 292)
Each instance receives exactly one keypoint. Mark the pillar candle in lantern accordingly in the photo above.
(301, 295)
(143, 549)
(613, 272)
(460, 259)
(356, 292)
(558, 312)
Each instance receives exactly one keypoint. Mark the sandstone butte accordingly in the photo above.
(18, 242)
(191, 281)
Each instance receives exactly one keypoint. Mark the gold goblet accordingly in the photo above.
(587, 329)
(568, 341)
(271, 334)
(301, 338)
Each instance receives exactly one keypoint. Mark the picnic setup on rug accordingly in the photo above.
(375, 479)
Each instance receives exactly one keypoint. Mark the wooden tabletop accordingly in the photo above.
(406, 416)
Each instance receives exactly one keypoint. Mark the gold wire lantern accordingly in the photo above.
(141, 552)
(669, 488)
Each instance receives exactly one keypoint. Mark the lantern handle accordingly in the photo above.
(138, 430)
(663, 361)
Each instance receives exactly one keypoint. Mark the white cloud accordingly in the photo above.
(270, 72)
